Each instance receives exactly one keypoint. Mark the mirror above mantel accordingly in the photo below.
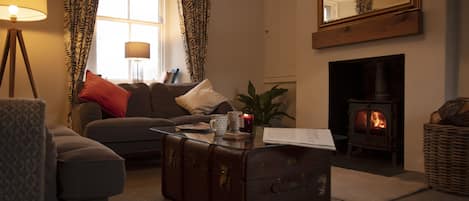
(343, 22)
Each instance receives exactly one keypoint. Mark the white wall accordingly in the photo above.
(44, 42)
(174, 44)
(387, 3)
(425, 73)
(235, 45)
(347, 9)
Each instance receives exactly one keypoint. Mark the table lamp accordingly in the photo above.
(137, 51)
(19, 10)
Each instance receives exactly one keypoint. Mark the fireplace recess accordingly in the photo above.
(366, 106)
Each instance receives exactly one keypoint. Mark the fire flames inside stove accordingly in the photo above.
(375, 120)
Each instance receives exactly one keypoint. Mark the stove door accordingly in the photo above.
(368, 126)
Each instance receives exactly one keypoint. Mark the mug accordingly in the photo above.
(219, 124)
(234, 118)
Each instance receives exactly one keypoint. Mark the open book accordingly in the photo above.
(305, 137)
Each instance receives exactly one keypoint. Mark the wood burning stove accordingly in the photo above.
(373, 122)
(373, 125)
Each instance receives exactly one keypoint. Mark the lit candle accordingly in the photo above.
(248, 120)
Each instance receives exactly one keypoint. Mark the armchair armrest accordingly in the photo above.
(84, 113)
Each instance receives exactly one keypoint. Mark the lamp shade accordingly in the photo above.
(137, 50)
(23, 10)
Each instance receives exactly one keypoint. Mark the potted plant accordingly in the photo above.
(263, 106)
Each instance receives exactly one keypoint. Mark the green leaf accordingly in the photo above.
(279, 114)
(245, 99)
(251, 89)
(276, 92)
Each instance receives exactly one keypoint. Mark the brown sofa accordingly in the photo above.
(148, 106)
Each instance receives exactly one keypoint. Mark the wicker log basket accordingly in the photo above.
(446, 148)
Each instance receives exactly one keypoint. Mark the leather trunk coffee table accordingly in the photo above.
(201, 167)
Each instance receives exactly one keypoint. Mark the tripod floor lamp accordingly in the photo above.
(19, 10)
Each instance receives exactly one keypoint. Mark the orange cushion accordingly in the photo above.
(112, 98)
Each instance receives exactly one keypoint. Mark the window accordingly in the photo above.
(330, 10)
(119, 21)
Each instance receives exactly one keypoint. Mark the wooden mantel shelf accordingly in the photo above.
(402, 23)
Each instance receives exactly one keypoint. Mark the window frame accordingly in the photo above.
(92, 58)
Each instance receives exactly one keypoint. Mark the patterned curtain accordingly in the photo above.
(80, 17)
(364, 6)
(195, 16)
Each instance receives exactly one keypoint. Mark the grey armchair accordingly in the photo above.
(39, 163)
(22, 146)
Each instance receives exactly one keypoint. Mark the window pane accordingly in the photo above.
(113, 8)
(110, 45)
(149, 34)
(146, 10)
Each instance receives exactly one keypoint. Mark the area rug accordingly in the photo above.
(143, 183)
(351, 185)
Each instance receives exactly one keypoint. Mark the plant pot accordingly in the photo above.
(258, 131)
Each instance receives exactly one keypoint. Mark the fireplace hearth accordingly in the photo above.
(366, 107)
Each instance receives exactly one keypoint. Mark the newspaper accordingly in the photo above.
(305, 137)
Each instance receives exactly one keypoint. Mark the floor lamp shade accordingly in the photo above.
(23, 10)
(137, 50)
(19, 10)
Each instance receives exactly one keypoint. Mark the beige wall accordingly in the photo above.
(45, 46)
(425, 73)
(280, 51)
(464, 49)
(174, 46)
(235, 46)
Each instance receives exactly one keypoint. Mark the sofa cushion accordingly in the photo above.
(162, 99)
(202, 99)
(190, 119)
(125, 129)
(87, 169)
(223, 108)
(139, 101)
(112, 98)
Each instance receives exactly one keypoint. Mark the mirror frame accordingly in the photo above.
(413, 4)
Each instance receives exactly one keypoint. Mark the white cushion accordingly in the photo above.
(201, 99)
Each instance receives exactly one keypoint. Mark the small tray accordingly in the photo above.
(197, 127)
(236, 136)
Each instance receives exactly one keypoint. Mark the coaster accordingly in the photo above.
(236, 136)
